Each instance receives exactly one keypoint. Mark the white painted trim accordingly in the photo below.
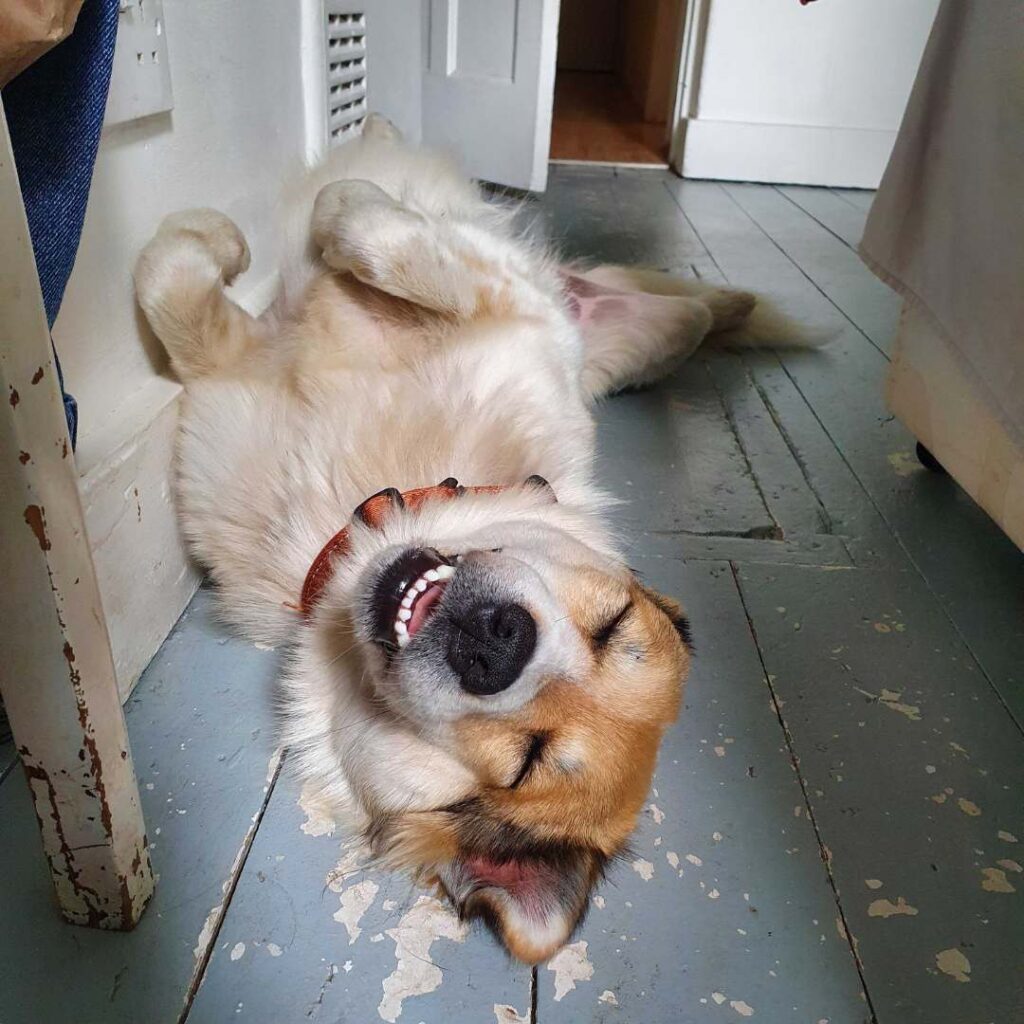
(610, 163)
(125, 463)
(313, 58)
(786, 153)
(58, 680)
(691, 63)
(545, 95)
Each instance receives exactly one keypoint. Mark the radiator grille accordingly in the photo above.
(345, 25)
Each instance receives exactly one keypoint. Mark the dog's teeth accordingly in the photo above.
(404, 614)
(401, 630)
(444, 572)
(407, 600)
(403, 639)
(421, 585)
(431, 575)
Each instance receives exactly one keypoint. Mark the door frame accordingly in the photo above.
(689, 65)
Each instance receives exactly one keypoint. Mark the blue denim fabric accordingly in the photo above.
(55, 112)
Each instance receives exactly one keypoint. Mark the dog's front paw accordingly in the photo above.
(215, 232)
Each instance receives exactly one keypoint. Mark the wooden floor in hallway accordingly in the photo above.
(835, 834)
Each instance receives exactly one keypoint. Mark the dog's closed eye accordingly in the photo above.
(602, 636)
(534, 750)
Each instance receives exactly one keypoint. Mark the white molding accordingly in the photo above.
(785, 153)
(58, 683)
(125, 464)
(314, 87)
(688, 71)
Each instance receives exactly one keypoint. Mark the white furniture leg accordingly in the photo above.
(56, 669)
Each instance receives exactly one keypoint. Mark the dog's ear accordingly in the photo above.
(674, 610)
(531, 893)
(532, 902)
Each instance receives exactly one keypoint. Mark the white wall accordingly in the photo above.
(239, 125)
(803, 94)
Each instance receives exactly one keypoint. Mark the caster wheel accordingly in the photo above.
(929, 461)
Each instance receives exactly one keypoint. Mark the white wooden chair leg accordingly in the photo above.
(56, 669)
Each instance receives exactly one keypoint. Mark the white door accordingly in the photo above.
(489, 85)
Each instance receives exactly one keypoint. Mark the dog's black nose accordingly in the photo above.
(489, 646)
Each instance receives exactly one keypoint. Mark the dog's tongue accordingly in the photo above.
(424, 607)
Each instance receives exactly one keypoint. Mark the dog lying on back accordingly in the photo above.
(475, 670)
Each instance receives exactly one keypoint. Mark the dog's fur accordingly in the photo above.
(417, 337)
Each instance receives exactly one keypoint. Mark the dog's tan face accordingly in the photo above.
(548, 671)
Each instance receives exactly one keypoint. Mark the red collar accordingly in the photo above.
(373, 512)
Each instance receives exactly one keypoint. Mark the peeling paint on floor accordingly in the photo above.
(355, 901)
(886, 908)
(995, 880)
(644, 868)
(953, 963)
(505, 1014)
(570, 965)
(416, 973)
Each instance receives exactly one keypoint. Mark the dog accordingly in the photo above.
(475, 673)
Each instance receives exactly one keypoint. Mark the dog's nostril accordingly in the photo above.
(489, 646)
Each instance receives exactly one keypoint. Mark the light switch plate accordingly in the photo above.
(140, 82)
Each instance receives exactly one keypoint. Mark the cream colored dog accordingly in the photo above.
(476, 671)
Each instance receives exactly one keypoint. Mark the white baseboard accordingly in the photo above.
(785, 153)
(125, 478)
(144, 573)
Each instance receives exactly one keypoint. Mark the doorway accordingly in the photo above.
(615, 81)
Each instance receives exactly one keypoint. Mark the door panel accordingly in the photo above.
(489, 84)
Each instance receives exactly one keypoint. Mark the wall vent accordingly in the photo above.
(345, 51)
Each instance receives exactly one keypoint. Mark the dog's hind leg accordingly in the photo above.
(729, 307)
(179, 281)
(633, 338)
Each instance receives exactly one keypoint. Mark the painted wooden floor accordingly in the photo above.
(836, 830)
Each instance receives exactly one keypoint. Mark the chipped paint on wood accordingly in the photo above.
(953, 963)
(570, 965)
(644, 868)
(58, 679)
(416, 973)
(355, 901)
(995, 880)
(886, 908)
(319, 820)
(505, 1014)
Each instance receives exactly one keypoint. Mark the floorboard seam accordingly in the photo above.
(853, 323)
(236, 873)
(909, 557)
(730, 419)
(823, 850)
(693, 228)
(821, 223)
(534, 1018)
(823, 512)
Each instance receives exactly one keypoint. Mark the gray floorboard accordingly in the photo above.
(914, 773)
(976, 572)
(832, 212)
(310, 936)
(859, 197)
(202, 738)
(826, 260)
